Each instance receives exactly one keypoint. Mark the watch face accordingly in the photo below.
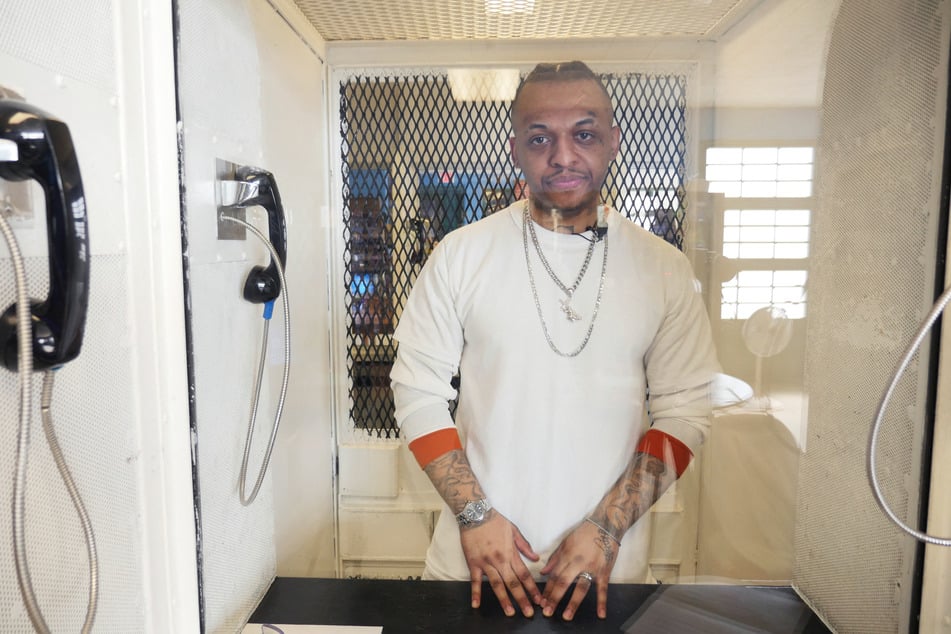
(480, 509)
(473, 512)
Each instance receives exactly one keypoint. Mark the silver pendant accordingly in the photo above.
(570, 313)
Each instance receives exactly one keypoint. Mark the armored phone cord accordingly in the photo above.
(25, 376)
(248, 499)
(936, 311)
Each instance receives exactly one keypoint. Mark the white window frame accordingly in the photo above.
(728, 196)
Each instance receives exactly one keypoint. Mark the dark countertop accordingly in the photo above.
(443, 607)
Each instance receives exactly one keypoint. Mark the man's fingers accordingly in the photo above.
(501, 592)
(528, 582)
(582, 585)
(554, 591)
(602, 598)
(511, 585)
(494, 550)
(514, 585)
(476, 579)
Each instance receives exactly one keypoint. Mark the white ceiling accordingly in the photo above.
(415, 20)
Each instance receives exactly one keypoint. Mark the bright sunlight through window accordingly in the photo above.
(770, 241)
(766, 233)
(760, 172)
(751, 290)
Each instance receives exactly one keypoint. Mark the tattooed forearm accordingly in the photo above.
(642, 483)
(454, 481)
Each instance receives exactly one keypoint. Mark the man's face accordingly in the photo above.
(564, 143)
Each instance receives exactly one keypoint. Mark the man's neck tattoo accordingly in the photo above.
(553, 217)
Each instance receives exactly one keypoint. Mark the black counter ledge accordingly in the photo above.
(443, 607)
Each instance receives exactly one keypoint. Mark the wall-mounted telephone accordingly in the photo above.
(263, 284)
(44, 335)
(38, 146)
(257, 187)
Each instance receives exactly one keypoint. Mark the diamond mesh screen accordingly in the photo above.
(417, 164)
(870, 284)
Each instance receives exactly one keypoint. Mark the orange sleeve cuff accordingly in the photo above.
(429, 447)
(667, 448)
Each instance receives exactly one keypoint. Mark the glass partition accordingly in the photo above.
(799, 168)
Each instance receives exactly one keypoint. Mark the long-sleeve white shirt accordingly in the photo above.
(547, 436)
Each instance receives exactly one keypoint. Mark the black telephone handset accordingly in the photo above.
(44, 152)
(264, 284)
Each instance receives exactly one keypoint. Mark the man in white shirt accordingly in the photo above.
(550, 461)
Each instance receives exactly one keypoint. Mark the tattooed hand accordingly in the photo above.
(495, 547)
(593, 546)
(589, 549)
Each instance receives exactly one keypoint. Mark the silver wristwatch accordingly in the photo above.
(474, 512)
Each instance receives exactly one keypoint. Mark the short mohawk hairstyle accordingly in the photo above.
(560, 71)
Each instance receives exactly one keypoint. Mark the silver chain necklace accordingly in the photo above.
(528, 226)
(569, 291)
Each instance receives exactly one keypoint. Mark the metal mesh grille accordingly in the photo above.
(418, 164)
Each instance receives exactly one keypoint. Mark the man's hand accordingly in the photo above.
(587, 549)
(494, 549)
(592, 547)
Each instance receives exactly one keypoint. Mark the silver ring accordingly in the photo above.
(586, 576)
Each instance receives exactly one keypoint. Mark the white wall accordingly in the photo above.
(121, 407)
(296, 131)
(107, 68)
(767, 90)
(251, 93)
(775, 56)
